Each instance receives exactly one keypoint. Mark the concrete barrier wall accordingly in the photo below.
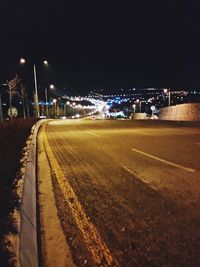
(28, 251)
(139, 116)
(183, 112)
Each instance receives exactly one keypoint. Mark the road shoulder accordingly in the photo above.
(55, 250)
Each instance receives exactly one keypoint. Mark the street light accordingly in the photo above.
(140, 104)
(51, 86)
(55, 107)
(167, 91)
(45, 62)
(22, 60)
(134, 108)
(1, 112)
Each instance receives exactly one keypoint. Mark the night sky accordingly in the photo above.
(102, 44)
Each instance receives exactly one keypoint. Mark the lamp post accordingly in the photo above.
(1, 112)
(45, 62)
(134, 108)
(36, 92)
(140, 104)
(46, 100)
(55, 107)
(167, 91)
(169, 98)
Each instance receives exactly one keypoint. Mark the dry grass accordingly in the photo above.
(13, 136)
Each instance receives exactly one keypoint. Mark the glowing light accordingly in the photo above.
(22, 60)
(45, 62)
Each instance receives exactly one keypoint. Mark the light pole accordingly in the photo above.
(134, 108)
(46, 99)
(140, 104)
(1, 112)
(36, 92)
(167, 91)
(169, 98)
(45, 62)
(55, 107)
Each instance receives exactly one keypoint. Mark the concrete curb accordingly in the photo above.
(28, 250)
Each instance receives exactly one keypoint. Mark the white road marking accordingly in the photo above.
(93, 133)
(183, 131)
(153, 187)
(164, 161)
(124, 130)
(138, 178)
(141, 132)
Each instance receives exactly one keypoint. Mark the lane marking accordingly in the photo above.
(183, 131)
(139, 178)
(136, 131)
(124, 130)
(91, 237)
(93, 133)
(164, 161)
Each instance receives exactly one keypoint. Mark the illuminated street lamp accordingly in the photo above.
(167, 91)
(140, 104)
(45, 62)
(22, 60)
(55, 107)
(134, 106)
(51, 86)
(1, 112)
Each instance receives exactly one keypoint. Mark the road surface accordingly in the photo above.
(127, 192)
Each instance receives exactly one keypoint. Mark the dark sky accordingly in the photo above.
(102, 44)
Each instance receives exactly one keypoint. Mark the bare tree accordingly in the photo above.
(27, 106)
(12, 90)
(23, 95)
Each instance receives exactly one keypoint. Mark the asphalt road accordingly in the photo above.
(128, 192)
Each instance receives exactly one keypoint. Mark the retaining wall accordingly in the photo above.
(182, 112)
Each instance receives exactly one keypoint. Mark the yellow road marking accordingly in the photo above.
(164, 161)
(95, 245)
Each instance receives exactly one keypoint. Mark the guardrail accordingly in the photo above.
(28, 250)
